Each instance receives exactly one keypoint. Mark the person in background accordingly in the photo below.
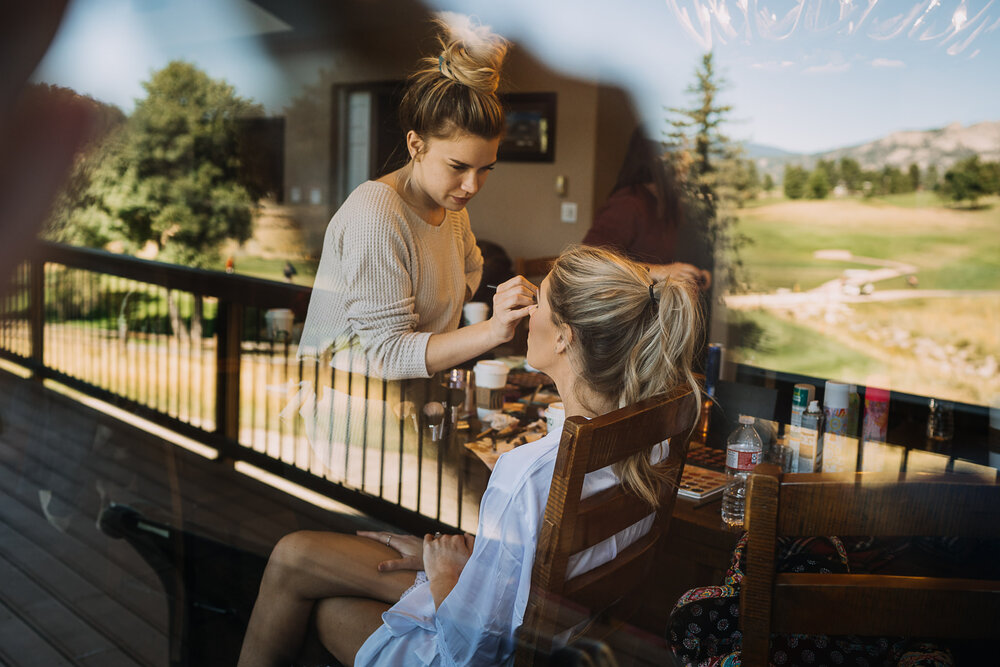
(289, 271)
(643, 216)
(607, 337)
(230, 264)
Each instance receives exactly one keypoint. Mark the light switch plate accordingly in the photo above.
(567, 211)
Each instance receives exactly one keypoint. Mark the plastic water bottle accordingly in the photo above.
(743, 451)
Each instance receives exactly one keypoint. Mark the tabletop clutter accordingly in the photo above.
(500, 404)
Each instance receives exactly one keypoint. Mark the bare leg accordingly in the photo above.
(345, 623)
(305, 567)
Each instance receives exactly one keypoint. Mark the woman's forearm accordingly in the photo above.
(449, 349)
(441, 586)
(510, 304)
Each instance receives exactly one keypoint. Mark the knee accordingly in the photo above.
(290, 556)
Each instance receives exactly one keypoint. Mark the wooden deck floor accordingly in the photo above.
(69, 593)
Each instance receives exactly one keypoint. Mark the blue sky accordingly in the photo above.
(804, 75)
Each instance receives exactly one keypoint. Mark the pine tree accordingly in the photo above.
(712, 170)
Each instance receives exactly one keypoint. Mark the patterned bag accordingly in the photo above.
(704, 625)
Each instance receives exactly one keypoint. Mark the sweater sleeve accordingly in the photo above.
(377, 269)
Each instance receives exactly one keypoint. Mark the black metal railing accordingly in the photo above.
(213, 356)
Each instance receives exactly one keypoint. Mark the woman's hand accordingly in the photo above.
(410, 547)
(444, 559)
(511, 304)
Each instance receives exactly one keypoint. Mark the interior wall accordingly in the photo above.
(519, 207)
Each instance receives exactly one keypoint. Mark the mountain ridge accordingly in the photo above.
(941, 147)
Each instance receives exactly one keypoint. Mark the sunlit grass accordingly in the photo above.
(951, 249)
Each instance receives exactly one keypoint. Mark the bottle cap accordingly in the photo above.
(876, 395)
(802, 393)
(746, 419)
(835, 395)
(813, 406)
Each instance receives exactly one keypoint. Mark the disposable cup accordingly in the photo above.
(555, 415)
(475, 311)
(491, 378)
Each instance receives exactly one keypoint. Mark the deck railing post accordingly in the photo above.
(229, 323)
(36, 319)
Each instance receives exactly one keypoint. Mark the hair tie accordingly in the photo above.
(652, 297)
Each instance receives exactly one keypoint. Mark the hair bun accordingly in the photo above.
(470, 53)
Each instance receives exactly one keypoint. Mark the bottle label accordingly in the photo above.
(745, 460)
(836, 420)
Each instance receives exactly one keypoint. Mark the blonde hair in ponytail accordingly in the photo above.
(455, 89)
(629, 343)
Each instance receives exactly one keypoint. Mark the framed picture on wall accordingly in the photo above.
(531, 128)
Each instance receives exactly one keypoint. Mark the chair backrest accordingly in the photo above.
(876, 504)
(533, 267)
(572, 524)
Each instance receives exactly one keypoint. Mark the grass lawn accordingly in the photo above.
(953, 249)
(795, 348)
(919, 199)
(936, 346)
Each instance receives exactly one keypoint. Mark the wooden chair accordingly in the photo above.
(876, 504)
(533, 267)
(571, 525)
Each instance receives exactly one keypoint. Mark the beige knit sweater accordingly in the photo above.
(386, 281)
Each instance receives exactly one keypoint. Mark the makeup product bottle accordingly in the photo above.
(876, 415)
(810, 454)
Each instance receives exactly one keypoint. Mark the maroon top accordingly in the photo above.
(628, 223)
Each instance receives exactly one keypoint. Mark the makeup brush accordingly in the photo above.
(406, 410)
(434, 416)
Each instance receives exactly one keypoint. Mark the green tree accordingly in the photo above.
(967, 180)
(768, 183)
(931, 178)
(851, 174)
(892, 181)
(698, 129)
(741, 178)
(795, 181)
(180, 182)
(829, 169)
(712, 170)
(913, 175)
(991, 176)
(78, 215)
(871, 183)
(818, 184)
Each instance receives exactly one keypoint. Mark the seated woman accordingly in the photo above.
(644, 216)
(608, 338)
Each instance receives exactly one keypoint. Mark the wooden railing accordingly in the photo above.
(195, 351)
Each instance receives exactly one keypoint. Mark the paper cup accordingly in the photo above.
(491, 378)
(555, 415)
(475, 311)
